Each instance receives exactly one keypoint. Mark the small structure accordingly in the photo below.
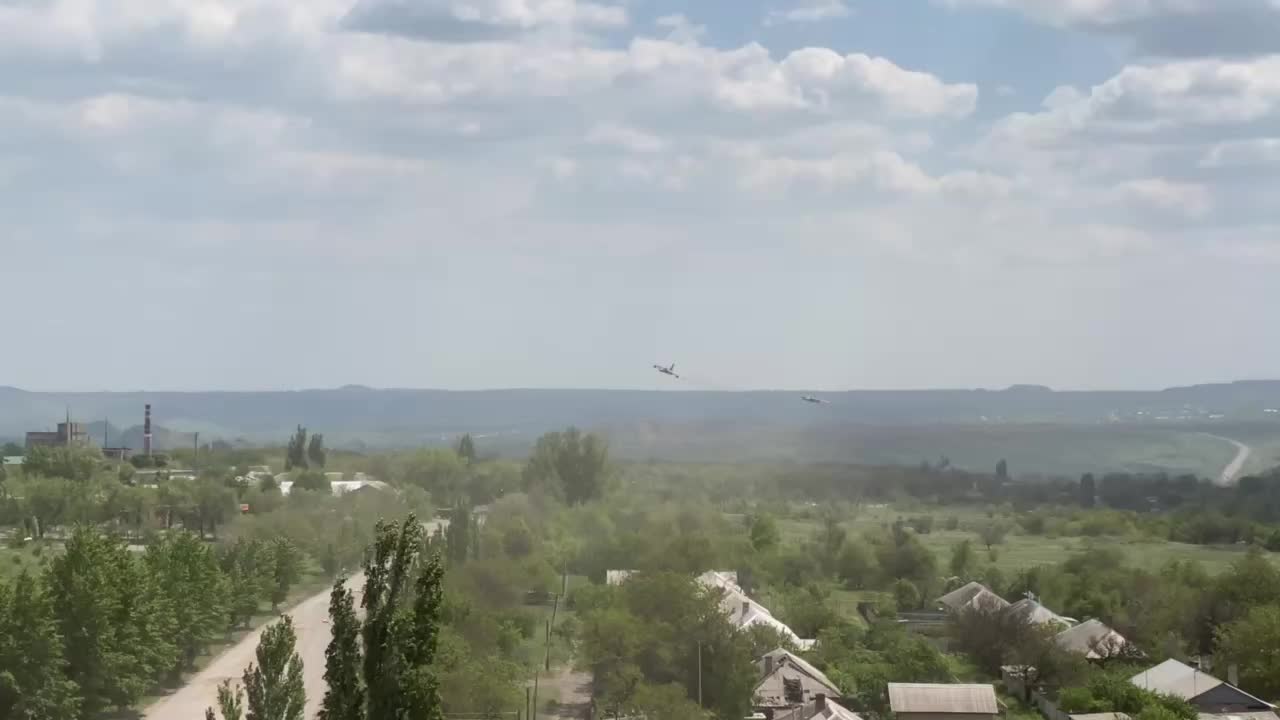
(13, 459)
(1094, 640)
(1208, 694)
(617, 577)
(822, 708)
(927, 701)
(972, 596)
(789, 681)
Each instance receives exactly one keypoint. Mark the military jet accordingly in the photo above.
(667, 370)
(814, 400)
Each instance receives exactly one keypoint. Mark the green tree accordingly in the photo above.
(401, 626)
(458, 535)
(344, 697)
(316, 454)
(993, 532)
(467, 449)
(116, 627)
(33, 683)
(273, 686)
(906, 594)
(11, 449)
(857, 567)
(250, 576)
(669, 702)
(569, 464)
(963, 560)
(764, 533)
(313, 480)
(1251, 643)
(286, 569)
(187, 574)
(230, 702)
(296, 452)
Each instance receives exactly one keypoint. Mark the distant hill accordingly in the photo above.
(902, 426)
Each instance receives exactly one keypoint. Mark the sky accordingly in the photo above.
(819, 194)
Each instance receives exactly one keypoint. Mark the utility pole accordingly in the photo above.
(699, 674)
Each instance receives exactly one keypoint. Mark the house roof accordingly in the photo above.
(1243, 715)
(834, 711)
(1172, 677)
(1033, 612)
(1100, 716)
(742, 611)
(973, 595)
(931, 698)
(782, 659)
(1091, 638)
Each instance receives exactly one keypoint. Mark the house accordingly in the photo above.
(1093, 639)
(1208, 694)
(1029, 610)
(340, 487)
(927, 701)
(617, 577)
(742, 611)
(822, 708)
(971, 596)
(788, 681)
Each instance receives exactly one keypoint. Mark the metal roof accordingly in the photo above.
(973, 595)
(782, 658)
(1175, 678)
(932, 698)
(1091, 638)
(1033, 612)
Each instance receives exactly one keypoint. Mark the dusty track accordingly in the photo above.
(311, 621)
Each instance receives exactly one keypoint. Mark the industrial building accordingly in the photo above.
(68, 434)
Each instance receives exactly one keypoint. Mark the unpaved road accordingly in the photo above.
(1233, 468)
(573, 688)
(310, 621)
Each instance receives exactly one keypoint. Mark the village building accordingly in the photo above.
(928, 701)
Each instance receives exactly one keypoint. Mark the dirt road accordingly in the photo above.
(311, 621)
(1233, 468)
(573, 688)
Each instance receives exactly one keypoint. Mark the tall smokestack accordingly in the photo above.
(146, 431)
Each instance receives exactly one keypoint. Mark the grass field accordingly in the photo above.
(1018, 551)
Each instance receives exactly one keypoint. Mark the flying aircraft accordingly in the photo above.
(814, 400)
(667, 370)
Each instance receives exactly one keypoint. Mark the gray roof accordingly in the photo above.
(1243, 715)
(1175, 678)
(1100, 716)
(1091, 638)
(974, 596)
(782, 658)
(931, 698)
(1033, 612)
(1180, 680)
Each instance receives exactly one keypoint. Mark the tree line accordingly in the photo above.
(101, 625)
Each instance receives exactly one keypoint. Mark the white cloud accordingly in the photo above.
(1179, 28)
(809, 11)
(1184, 199)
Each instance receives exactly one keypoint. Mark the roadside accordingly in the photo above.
(311, 621)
